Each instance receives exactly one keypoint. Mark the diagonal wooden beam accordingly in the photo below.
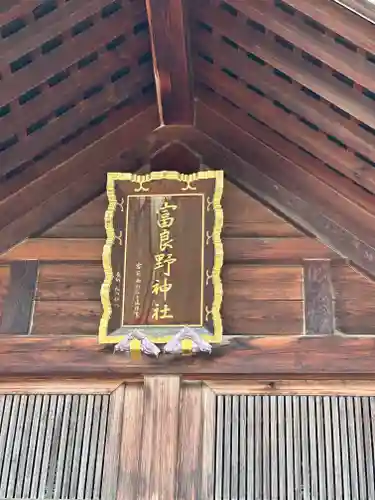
(171, 58)
(316, 207)
(63, 188)
(340, 19)
(309, 203)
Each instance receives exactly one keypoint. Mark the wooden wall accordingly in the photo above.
(276, 279)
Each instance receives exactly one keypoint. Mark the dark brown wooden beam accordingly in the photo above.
(19, 302)
(170, 49)
(277, 357)
(318, 298)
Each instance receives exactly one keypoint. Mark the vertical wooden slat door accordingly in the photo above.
(294, 447)
(57, 446)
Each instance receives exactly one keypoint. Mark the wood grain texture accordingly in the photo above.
(171, 59)
(355, 300)
(236, 249)
(319, 301)
(208, 443)
(72, 282)
(113, 443)
(160, 437)
(294, 387)
(342, 21)
(25, 211)
(131, 443)
(258, 299)
(285, 149)
(327, 356)
(244, 316)
(349, 63)
(287, 92)
(188, 477)
(243, 216)
(295, 199)
(17, 310)
(66, 317)
(264, 111)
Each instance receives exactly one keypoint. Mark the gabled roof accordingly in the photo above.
(280, 94)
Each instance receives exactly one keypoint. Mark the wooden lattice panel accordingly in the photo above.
(311, 85)
(52, 446)
(294, 447)
(66, 66)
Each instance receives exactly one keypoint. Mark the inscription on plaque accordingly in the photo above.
(163, 255)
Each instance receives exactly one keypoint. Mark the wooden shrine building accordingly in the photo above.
(280, 95)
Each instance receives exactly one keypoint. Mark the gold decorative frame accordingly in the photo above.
(141, 180)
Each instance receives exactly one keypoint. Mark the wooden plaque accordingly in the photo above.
(163, 255)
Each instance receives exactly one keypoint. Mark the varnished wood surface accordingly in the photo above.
(236, 249)
(262, 275)
(169, 32)
(25, 212)
(291, 196)
(131, 443)
(159, 447)
(284, 356)
(355, 300)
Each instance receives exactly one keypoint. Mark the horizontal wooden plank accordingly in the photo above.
(257, 299)
(242, 316)
(254, 299)
(276, 249)
(349, 283)
(345, 387)
(268, 357)
(355, 316)
(66, 386)
(66, 317)
(235, 249)
(263, 282)
(69, 282)
(355, 300)
(243, 216)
